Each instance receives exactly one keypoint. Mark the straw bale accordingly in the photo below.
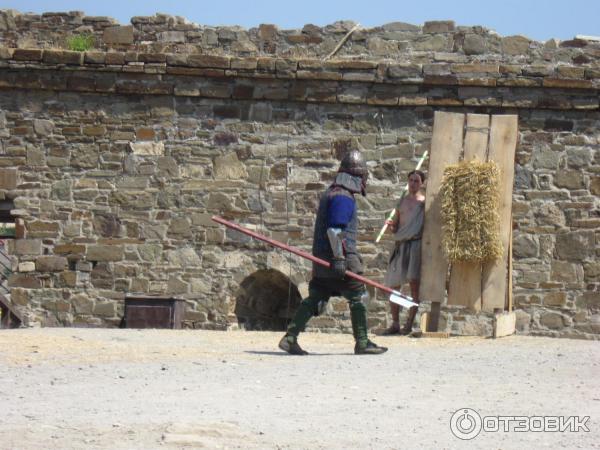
(470, 223)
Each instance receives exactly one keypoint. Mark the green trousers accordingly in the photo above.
(320, 290)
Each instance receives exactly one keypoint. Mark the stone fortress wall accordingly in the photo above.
(115, 159)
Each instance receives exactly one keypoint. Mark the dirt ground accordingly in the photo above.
(130, 389)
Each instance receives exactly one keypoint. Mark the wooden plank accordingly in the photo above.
(503, 143)
(504, 324)
(446, 147)
(423, 321)
(430, 334)
(433, 319)
(465, 277)
(509, 297)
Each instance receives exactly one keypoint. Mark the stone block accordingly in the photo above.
(555, 299)
(118, 35)
(43, 127)
(574, 246)
(525, 246)
(24, 281)
(184, 257)
(229, 167)
(515, 45)
(552, 320)
(104, 253)
(82, 304)
(28, 54)
(474, 44)
(27, 266)
(215, 62)
(569, 179)
(171, 36)
(104, 309)
(27, 247)
(589, 299)
(147, 148)
(438, 26)
(50, 263)
(63, 57)
(566, 272)
(69, 249)
(8, 178)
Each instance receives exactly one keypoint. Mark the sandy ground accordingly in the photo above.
(131, 389)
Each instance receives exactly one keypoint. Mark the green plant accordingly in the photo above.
(80, 42)
(7, 230)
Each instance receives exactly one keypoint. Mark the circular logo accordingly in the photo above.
(465, 424)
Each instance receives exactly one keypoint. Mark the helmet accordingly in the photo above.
(354, 164)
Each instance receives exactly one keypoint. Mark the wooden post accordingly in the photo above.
(503, 143)
(446, 147)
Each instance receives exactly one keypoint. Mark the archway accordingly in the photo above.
(266, 300)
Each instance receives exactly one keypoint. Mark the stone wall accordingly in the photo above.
(116, 160)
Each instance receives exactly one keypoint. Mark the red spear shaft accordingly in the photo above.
(313, 258)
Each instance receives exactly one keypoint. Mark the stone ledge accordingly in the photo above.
(355, 71)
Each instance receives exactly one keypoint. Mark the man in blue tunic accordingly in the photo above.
(334, 240)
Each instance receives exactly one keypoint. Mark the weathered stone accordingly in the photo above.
(474, 44)
(515, 45)
(573, 246)
(267, 32)
(171, 36)
(62, 57)
(438, 26)
(107, 225)
(118, 35)
(24, 281)
(148, 148)
(589, 299)
(150, 252)
(50, 263)
(382, 47)
(82, 304)
(8, 178)
(40, 228)
(28, 266)
(229, 167)
(552, 320)
(180, 227)
(177, 286)
(522, 321)
(569, 179)
(35, 157)
(104, 309)
(184, 257)
(432, 43)
(566, 272)
(555, 299)
(104, 253)
(43, 127)
(69, 249)
(525, 246)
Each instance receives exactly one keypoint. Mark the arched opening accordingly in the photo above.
(266, 301)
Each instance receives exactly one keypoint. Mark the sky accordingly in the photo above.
(537, 19)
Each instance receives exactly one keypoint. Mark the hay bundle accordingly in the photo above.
(470, 199)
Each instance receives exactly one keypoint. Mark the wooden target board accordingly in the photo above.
(468, 137)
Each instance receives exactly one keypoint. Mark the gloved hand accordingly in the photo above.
(338, 265)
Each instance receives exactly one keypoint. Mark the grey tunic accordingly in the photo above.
(405, 260)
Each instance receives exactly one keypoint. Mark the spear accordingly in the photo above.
(404, 189)
(395, 296)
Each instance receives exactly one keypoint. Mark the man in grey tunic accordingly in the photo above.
(405, 260)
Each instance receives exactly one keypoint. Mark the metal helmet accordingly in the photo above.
(354, 164)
